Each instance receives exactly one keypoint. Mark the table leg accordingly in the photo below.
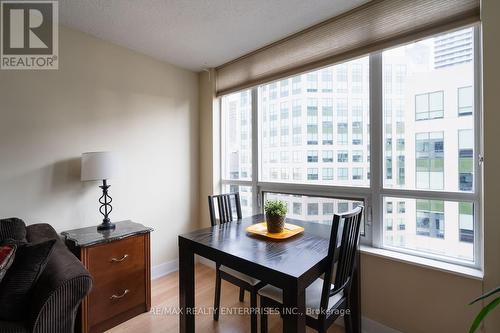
(355, 297)
(294, 319)
(186, 288)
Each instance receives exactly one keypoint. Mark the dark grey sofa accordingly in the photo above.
(58, 292)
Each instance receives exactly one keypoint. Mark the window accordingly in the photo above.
(327, 173)
(430, 160)
(328, 156)
(284, 88)
(342, 156)
(357, 173)
(430, 218)
(312, 209)
(297, 208)
(312, 82)
(401, 207)
(312, 156)
(388, 207)
(314, 136)
(296, 88)
(312, 174)
(237, 136)
(327, 208)
(465, 101)
(434, 153)
(465, 159)
(466, 222)
(357, 156)
(308, 207)
(343, 173)
(429, 105)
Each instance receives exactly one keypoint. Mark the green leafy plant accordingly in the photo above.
(487, 309)
(275, 208)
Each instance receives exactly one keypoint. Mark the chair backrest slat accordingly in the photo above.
(344, 239)
(224, 207)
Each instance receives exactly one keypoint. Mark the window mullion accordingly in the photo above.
(376, 143)
(255, 150)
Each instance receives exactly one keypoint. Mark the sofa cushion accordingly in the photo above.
(7, 253)
(12, 228)
(29, 262)
(13, 327)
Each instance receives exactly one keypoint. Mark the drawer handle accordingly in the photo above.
(125, 292)
(125, 256)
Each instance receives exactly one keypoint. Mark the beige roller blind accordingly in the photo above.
(373, 26)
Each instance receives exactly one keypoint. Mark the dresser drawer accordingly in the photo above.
(119, 258)
(115, 296)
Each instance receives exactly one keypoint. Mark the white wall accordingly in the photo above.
(103, 97)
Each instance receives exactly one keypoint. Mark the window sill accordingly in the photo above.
(467, 272)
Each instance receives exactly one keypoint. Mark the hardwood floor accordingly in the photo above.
(165, 298)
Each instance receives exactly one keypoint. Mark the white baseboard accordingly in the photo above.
(369, 325)
(164, 269)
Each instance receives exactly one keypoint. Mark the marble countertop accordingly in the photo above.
(90, 235)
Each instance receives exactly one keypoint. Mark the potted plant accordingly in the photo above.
(275, 215)
(482, 314)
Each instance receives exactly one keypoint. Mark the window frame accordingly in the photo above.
(373, 195)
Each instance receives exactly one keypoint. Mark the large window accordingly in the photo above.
(381, 130)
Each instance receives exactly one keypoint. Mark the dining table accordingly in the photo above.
(291, 264)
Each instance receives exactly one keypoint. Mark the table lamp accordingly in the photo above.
(100, 166)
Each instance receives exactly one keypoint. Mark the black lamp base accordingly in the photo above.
(106, 208)
(106, 226)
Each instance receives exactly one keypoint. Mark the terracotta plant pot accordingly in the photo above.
(275, 224)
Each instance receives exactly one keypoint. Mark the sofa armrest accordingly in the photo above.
(61, 287)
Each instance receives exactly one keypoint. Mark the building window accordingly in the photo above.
(297, 174)
(430, 160)
(342, 173)
(297, 208)
(465, 159)
(357, 156)
(388, 207)
(312, 156)
(312, 174)
(327, 173)
(388, 224)
(328, 156)
(430, 218)
(466, 222)
(342, 156)
(429, 105)
(357, 173)
(401, 170)
(327, 80)
(343, 207)
(465, 101)
(284, 88)
(401, 207)
(296, 88)
(312, 209)
(328, 208)
(312, 82)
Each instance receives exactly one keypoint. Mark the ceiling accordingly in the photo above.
(197, 34)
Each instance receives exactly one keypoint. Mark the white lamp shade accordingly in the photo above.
(98, 165)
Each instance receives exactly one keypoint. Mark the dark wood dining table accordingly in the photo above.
(291, 264)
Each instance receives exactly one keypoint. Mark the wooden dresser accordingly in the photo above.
(120, 264)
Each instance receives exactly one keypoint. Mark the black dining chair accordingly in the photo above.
(326, 301)
(226, 204)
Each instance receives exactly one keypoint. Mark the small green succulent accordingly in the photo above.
(275, 208)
